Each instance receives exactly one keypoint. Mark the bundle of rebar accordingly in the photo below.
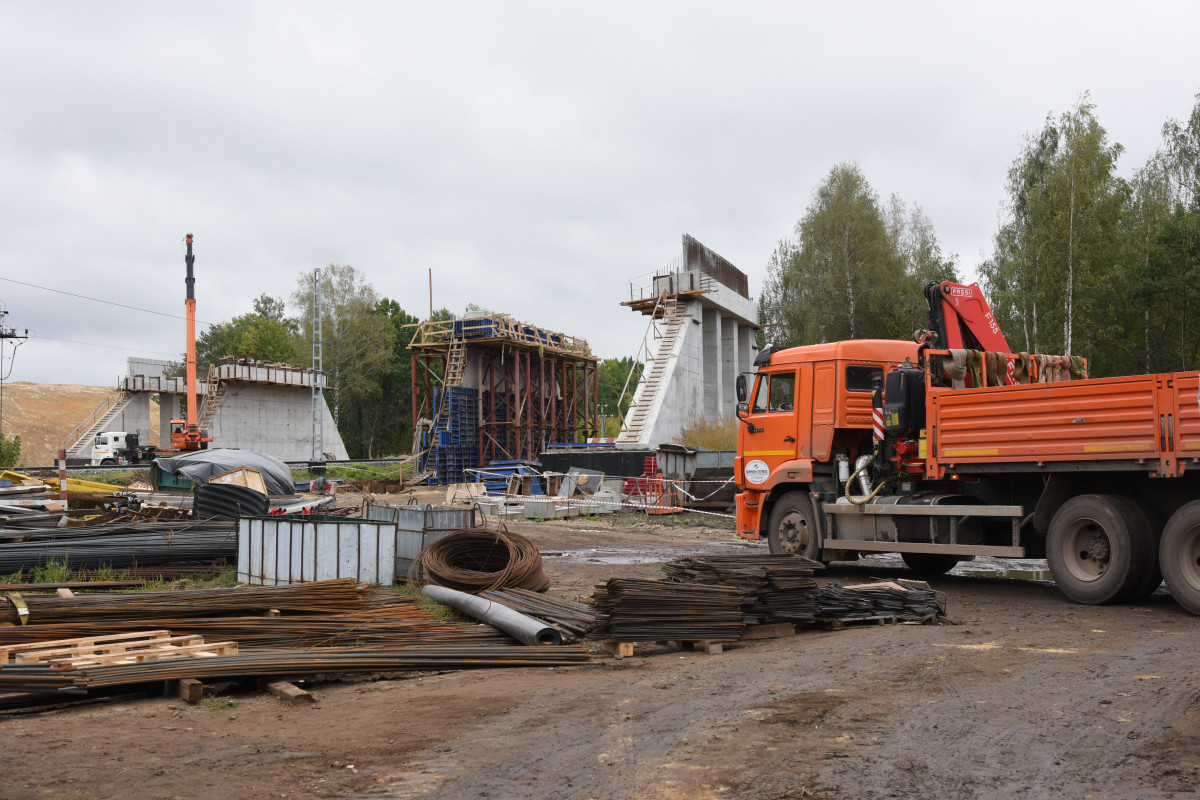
(777, 588)
(476, 560)
(641, 610)
(139, 544)
(42, 678)
(573, 620)
(906, 599)
(319, 597)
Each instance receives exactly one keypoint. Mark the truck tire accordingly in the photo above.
(792, 527)
(931, 564)
(1098, 550)
(1145, 519)
(1179, 556)
(108, 462)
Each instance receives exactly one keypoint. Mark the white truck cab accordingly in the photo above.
(109, 448)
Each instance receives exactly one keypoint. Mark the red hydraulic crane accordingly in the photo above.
(189, 436)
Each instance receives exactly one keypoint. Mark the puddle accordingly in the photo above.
(1016, 569)
(642, 555)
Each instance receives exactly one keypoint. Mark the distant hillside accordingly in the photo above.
(42, 414)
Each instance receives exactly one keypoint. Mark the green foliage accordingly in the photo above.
(214, 703)
(358, 349)
(444, 613)
(616, 388)
(53, 571)
(248, 336)
(10, 451)
(848, 272)
(1086, 263)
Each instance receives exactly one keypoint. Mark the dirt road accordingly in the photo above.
(1026, 695)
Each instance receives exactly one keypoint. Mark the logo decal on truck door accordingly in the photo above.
(757, 472)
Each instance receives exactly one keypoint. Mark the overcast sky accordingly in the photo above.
(538, 157)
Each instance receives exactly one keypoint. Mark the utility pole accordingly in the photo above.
(5, 335)
(318, 398)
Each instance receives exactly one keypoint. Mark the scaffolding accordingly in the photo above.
(518, 389)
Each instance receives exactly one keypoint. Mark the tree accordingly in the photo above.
(247, 336)
(842, 276)
(916, 243)
(618, 379)
(1053, 273)
(357, 341)
(10, 451)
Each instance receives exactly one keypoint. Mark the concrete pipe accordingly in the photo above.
(526, 630)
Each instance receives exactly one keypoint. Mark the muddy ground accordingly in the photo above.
(1025, 694)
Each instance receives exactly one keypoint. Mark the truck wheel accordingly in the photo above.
(1098, 550)
(1180, 556)
(929, 563)
(1145, 519)
(792, 528)
(107, 462)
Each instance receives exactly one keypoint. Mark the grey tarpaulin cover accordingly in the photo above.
(203, 464)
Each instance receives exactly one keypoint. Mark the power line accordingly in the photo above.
(35, 338)
(98, 300)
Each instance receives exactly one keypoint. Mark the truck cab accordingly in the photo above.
(806, 410)
(109, 448)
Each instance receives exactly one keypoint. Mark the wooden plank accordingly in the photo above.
(288, 692)
(773, 631)
(840, 623)
(65, 593)
(188, 690)
(618, 649)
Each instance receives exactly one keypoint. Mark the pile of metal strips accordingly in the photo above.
(120, 545)
(319, 597)
(45, 678)
(911, 599)
(777, 588)
(640, 611)
(573, 620)
(476, 560)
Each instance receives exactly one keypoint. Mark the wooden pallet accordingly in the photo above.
(625, 649)
(841, 623)
(121, 648)
(775, 630)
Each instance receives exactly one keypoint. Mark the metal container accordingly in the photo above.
(419, 526)
(703, 474)
(274, 551)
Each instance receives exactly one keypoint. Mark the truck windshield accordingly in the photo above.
(775, 393)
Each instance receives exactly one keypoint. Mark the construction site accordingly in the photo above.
(205, 597)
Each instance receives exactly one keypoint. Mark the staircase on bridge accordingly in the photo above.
(78, 442)
(667, 326)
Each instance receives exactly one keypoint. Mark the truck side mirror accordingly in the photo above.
(739, 389)
(742, 409)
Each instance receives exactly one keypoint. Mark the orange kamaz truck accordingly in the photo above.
(952, 447)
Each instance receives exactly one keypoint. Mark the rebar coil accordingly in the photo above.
(480, 560)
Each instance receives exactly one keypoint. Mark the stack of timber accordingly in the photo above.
(641, 611)
(777, 588)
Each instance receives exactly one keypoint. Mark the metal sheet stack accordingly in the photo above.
(902, 598)
(777, 588)
(641, 611)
